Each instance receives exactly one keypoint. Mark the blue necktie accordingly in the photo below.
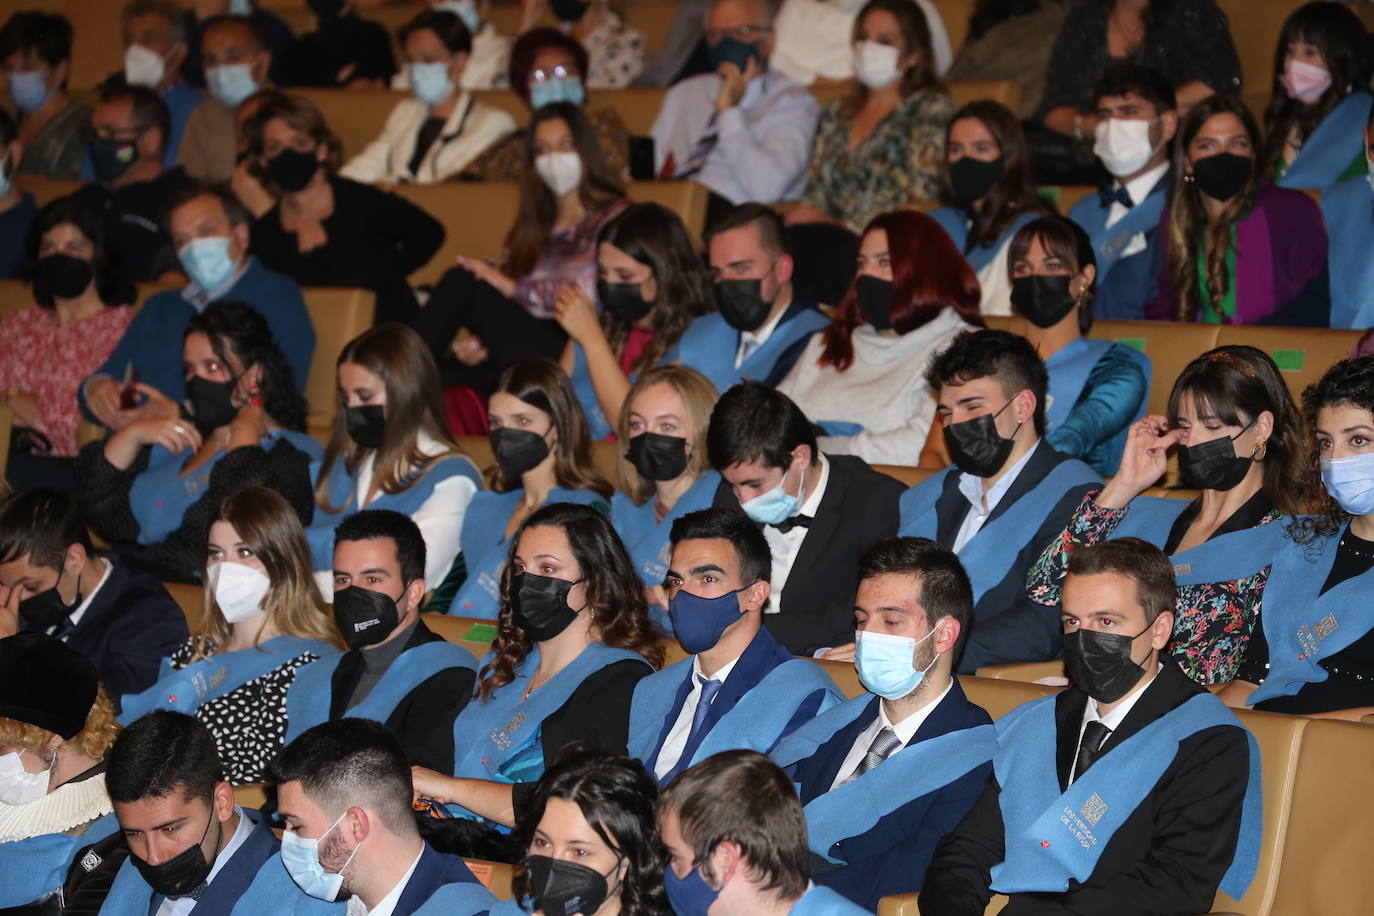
(1109, 195)
(709, 688)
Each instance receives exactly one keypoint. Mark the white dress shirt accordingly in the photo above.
(972, 488)
(387, 904)
(80, 611)
(1138, 188)
(905, 731)
(759, 336)
(676, 741)
(1118, 715)
(183, 905)
(785, 547)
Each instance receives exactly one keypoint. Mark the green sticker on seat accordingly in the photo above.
(1289, 360)
(1049, 193)
(1137, 343)
(481, 632)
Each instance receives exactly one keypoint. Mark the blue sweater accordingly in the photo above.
(152, 342)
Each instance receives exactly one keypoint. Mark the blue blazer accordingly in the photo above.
(433, 871)
(1124, 285)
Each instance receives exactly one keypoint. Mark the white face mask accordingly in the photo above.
(143, 67)
(875, 64)
(238, 590)
(1124, 145)
(561, 171)
(17, 785)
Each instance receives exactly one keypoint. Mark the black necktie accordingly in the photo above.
(1090, 747)
(1110, 194)
(796, 521)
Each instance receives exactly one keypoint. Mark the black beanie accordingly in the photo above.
(46, 683)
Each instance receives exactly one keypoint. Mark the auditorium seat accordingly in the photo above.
(1000, 697)
(961, 92)
(907, 475)
(253, 795)
(844, 675)
(495, 876)
(339, 314)
(1302, 354)
(469, 632)
(191, 600)
(1169, 345)
(6, 424)
(1026, 672)
(46, 190)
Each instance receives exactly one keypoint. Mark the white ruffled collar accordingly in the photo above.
(70, 806)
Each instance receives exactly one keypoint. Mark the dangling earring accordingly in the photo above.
(255, 394)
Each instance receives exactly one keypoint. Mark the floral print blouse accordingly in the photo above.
(615, 53)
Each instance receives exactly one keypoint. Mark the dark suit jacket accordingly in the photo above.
(434, 870)
(891, 858)
(860, 506)
(1167, 858)
(423, 721)
(1008, 626)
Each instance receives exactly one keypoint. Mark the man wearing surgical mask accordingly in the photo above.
(396, 671)
(273, 33)
(884, 775)
(236, 66)
(1136, 123)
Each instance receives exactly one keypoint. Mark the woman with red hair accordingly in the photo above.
(860, 378)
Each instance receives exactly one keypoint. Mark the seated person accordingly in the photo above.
(82, 295)
(132, 185)
(761, 323)
(543, 457)
(1320, 98)
(150, 487)
(738, 688)
(912, 294)
(350, 778)
(814, 44)
(615, 51)
(567, 194)
(1097, 388)
(391, 449)
(989, 194)
(56, 726)
(819, 512)
(487, 62)
(1259, 255)
(123, 621)
(275, 34)
(209, 229)
(433, 136)
(264, 622)
(650, 285)
(745, 130)
(1007, 495)
(886, 774)
(345, 50)
(17, 207)
(396, 670)
(236, 67)
(157, 41)
(1137, 120)
(326, 230)
(36, 53)
(1346, 208)
(573, 639)
(1006, 41)
(736, 842)
(1183, 790)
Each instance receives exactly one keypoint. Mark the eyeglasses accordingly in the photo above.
(739, 32)
(120, 134)
(541, 75)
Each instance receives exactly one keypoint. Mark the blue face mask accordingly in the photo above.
(1350, 481)
(465, 10)
(558, 89)
(301, 857)
(731, 50)
(240, 7)
(689, 896)
(700, 622)
(231, 83)
(776, 505)
(430, 82)
(886, 663)
(207, 261)
(29, 89)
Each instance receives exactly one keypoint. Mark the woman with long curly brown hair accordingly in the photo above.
(573, 639)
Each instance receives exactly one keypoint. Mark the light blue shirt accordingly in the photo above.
(972, 488)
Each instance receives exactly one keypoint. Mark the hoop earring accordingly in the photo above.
(1261, 449)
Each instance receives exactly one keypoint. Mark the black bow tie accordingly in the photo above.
(194, 893)
(796, 521)
(1115, 194)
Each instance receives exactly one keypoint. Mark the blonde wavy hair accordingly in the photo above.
(699, 398)
(93, 740)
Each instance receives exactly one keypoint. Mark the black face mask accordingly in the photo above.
(976, 447)
(366, 424)
(1101, 664)
(47, 609)
(62, 276)
(212, 403)
(540, 605)
(1222, 176)
(1214, 465)
(658, 457)
(326, 9)
(1044, 301)
(518, 450)
(973, 178)
(875, 301)
(741, 303)
(562, 888)
(292, 169)
(184, 872)
(110, 159)
(623, 300)
(364, 617)
(570, 10)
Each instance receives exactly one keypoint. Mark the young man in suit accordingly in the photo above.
(1134, 791)
(52, 581)
(344, 794)
(396, 670)
(739, 688)
(819, 512)
(885, 775)
(1007, 495)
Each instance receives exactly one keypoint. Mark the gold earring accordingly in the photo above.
(1261, 449)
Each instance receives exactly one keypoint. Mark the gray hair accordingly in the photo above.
(768, 10)
(180, 19)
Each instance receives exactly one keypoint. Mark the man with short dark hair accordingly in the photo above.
(236, 66)
(760, 325)
(396, 670)
(885, 775)
(344, 794)
(736, 842)
(1007, 495)
(738, 688)
(1134, 791)
(17, 207)
(52, 581)
(819, 512)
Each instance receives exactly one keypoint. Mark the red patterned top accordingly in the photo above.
(50, 361)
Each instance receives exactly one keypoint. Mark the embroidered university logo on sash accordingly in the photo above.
(1093, 809)
(1326, 626)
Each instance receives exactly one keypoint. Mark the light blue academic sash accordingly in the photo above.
(989, 554)
(1224, 558)
(1330, 149)
(507, 908)
(485, 548)
(462, 898)
(36, 866)
(646, 538)
(822, 901)
(1348, 209)
(918, 769)
(1301, 626)
(1054, 836)
(598, 426)
(310, 694)
(709, 346)
(954, 222)
(1068, 370)
(1109, 243)
(195, 685)
(273, 891)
